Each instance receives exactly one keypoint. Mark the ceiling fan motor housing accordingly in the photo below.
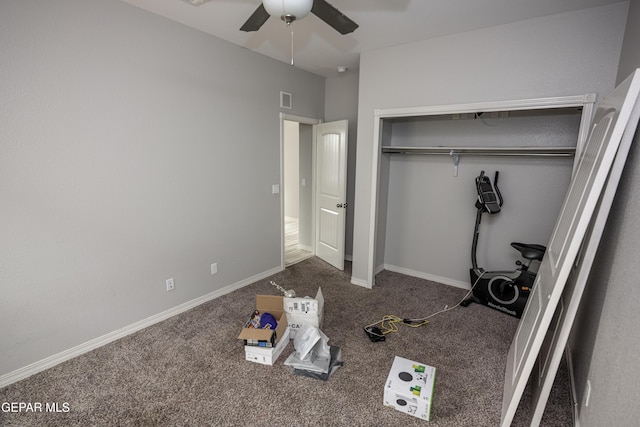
(292, 10)
(288, 10)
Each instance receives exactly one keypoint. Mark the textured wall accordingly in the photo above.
(133, 149)
(566, 54)
(605, 341)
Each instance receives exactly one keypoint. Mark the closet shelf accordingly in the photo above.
(485, 151)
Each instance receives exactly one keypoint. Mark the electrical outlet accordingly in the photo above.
(214, 268)
(170, 285)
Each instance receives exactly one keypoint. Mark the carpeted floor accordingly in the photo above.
(190, 370)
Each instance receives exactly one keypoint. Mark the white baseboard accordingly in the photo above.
(360, 282)
(413, 273)
(572, 382)
(427, 276)
(378, 269)
(51, 361)
(307, 248)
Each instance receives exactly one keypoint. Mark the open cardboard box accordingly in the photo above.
(266, 337)
(266, 356)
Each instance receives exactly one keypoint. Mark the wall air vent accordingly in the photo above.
(285, 100)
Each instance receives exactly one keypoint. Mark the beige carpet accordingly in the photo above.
(190, 370)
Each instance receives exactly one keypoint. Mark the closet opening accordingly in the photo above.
(424, 168)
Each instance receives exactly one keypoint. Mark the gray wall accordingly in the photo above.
(565, 54)
(605, 341)
(133, 149)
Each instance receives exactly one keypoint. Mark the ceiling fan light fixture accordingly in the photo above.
(288, 10)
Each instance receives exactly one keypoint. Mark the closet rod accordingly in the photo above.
(485, 151)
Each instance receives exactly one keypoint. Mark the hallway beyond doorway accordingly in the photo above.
(292, 253)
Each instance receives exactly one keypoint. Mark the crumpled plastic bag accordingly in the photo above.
(313, 356)
(336, 362)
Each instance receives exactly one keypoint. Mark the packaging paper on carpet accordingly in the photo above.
(304, 311)
(409, 387)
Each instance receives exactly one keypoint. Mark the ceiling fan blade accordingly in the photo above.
(333, 17)
(256, 20)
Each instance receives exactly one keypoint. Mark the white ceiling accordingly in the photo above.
(320, 49)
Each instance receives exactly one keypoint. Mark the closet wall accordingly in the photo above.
(565, 54)
(428, 216)
(605, 339)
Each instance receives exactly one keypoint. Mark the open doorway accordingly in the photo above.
(313, 201)
(297, 191)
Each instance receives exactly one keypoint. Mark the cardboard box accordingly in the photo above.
(409, 387)
(264, 355)
(266, 337)
(304, 310)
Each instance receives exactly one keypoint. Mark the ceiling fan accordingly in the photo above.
(290, 10)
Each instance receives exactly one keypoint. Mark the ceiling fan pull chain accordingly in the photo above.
(292, 47)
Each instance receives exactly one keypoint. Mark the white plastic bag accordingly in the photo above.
(312, 352)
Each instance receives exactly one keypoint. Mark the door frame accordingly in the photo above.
(585, 101)
(307, 121)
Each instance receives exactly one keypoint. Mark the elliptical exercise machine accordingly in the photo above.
(506, 291)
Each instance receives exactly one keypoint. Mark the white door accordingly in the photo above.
(558, 334)
(331, 191)
(580, 203)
